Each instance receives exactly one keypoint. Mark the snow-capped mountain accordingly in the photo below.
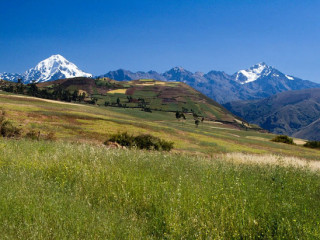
(260, 70)
(50, 69)
(253, 73)
(53, 68)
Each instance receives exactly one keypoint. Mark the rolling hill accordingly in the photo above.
(147, 94)
(86, 123)
(294, 113)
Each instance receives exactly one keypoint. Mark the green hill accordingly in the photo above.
(91, 123)
(144, 93)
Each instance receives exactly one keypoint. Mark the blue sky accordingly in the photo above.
(200, 35)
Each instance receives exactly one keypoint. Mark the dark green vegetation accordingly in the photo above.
(141, 141)
(58, 190)
(312, 144)
(293, 113)
(283, 139)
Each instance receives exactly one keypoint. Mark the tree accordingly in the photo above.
(75, 95)
(178, 116)
(197, 122)
(118, 101)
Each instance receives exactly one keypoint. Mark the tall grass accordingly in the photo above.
(68, 191)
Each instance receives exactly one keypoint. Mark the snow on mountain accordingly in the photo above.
(253, 73)
(10, 76)
(53, 68)
(289, 77)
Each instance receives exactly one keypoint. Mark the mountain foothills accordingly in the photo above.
(295, 113)
(257, 82)
(53, 68)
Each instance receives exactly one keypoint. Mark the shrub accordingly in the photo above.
(142, 141)
(283, 139)
(312, 144)
(124, 139)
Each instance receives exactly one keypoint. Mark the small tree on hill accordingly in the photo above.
(197, 122)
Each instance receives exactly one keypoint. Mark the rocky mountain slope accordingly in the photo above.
(294, 113)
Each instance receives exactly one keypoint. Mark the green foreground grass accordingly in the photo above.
(59, 190)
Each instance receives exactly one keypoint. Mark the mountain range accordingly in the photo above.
(259, 81)
(294, 113)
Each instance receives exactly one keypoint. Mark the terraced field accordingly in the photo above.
(144, 93)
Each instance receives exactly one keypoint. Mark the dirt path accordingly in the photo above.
(39, 99)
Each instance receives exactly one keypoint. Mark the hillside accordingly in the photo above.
(94, 124)
(146, 94)
(294, 113)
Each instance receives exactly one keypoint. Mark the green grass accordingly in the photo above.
(61, 190)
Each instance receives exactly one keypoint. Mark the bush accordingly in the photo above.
(283, 139)
(142, 141)
(312, 144)
(124, 139)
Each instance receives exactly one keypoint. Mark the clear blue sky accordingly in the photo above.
(199, 35)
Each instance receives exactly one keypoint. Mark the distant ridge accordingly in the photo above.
(294, 113)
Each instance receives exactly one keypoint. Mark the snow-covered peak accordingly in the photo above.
(178, 69)
(253, 73)
(53, 68)
(289, 77)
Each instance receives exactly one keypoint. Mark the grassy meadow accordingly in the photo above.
(217, 183)
(58, 190)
